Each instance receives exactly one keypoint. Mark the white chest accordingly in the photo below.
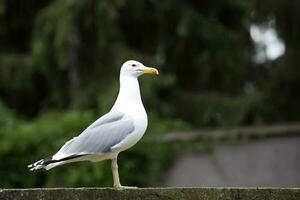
(130, 103)
(140, 121)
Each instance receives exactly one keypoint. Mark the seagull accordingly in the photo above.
(118, 130)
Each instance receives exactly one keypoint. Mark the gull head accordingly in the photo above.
(135, 69)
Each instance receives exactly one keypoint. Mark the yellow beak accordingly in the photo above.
(150, 70)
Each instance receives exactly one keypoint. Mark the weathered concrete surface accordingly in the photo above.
(272, 162)
(152, 193)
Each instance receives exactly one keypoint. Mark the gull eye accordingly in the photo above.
(133, 65)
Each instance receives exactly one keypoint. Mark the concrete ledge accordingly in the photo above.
(151, 193)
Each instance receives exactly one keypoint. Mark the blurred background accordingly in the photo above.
(224, 64)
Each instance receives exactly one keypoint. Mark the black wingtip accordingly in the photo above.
(46, 161)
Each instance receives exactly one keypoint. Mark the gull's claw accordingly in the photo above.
(124, 187)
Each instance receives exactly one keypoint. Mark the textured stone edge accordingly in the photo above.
(151, 193)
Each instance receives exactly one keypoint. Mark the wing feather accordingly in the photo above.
(99, 137)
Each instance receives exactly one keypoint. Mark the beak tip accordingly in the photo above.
(152, 71)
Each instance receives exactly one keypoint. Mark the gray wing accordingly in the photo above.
(99, 137)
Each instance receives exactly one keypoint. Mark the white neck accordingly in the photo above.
(129, 96)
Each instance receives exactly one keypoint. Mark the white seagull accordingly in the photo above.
(119, 129)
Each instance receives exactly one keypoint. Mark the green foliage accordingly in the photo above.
(24, 142)
(225, 111)
(97, 36)
(7, 117)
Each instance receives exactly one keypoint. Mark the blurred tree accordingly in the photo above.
(202, 48)
(283, 83)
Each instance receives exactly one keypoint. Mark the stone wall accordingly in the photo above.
(268, 162)
(152, 193)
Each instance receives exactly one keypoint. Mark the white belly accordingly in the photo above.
(140, 123)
